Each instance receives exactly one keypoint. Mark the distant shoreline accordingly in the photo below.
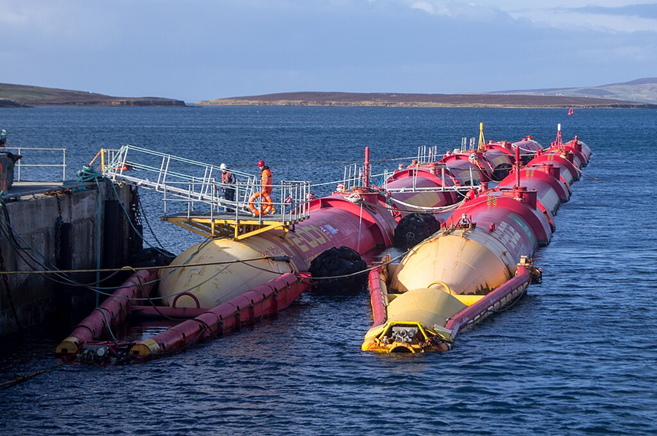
(427, 106)
(20, 96)
(16, 96)
(499, 101)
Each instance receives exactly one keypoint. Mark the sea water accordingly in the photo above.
(578, 354)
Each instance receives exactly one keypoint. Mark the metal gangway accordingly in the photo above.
(196, 199)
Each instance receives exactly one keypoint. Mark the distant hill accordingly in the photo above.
(22, 96)
(425, 100)
(639, 90)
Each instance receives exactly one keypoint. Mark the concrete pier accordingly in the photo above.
(72, 226)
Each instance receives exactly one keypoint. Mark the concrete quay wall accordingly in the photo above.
(75, 228)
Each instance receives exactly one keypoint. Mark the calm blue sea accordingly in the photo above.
(577, 355)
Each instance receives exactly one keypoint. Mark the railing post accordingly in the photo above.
(212, 189)
(366, 169)
(19, 166)
(166, 170)
(165, 203)
(237, 200)
(189, 203)
(191, 193)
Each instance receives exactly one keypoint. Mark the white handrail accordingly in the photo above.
(183, 180)
(29, 153)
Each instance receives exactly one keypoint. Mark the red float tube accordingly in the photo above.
(495, 300)
(247, 309)
(377, 286)
(112, 311)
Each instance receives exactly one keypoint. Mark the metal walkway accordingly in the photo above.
(198, 197)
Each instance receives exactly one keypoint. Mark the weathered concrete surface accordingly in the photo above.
(37, 223)
(7, 163)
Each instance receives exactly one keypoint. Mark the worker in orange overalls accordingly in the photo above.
(266, 204)
(267, 178)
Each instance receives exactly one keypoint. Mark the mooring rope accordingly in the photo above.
(145, 268)
(25, 377)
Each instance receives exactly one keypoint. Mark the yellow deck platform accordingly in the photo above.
(230, 225)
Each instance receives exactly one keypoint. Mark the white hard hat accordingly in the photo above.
(223, 167)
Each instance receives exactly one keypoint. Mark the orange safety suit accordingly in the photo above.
(267, 181)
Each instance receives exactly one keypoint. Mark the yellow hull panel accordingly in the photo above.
(426, 306)
(227, 275)
(465, 265)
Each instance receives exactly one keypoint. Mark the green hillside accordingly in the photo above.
(424, 100)
(21, 95)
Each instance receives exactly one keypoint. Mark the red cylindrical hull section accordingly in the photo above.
(568, 170)
(580, 160)
(581, 146)
(550, 191)
(465, 172)
(528, 148)
(331, 227)
(495, 208)
(500, 161)
(405, 184)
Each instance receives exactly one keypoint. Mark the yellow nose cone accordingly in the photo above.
(427, 306)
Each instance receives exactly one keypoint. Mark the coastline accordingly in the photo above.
(503, 101)
(620, 105)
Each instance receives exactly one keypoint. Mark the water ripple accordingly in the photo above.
(575, 356)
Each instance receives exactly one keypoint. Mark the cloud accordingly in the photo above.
(640, 11)
(613, 16)
(586, 18)
(458, 10)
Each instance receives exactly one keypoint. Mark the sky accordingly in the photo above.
(203, 49)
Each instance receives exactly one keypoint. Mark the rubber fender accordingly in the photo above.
(150, 257)
(415, 228)
(335, 269)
